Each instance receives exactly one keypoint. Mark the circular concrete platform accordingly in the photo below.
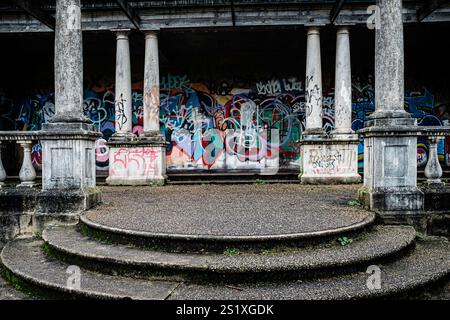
(229, 212)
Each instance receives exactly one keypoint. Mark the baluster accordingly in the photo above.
(27, 173)
(433, 170)
(2, 169)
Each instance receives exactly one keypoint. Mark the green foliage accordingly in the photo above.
(354, 203)
(260, 182)
(231, 251)
(344, 241)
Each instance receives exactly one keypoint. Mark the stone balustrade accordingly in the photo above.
(25, 139)
(433, 170)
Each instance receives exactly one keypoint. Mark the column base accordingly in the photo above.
(69, 151)
(63, 206)
(329, 159)
(436, 197)
(392, 201)
(137, 162)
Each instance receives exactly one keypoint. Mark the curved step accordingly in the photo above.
(25, 259)
(380, 242)
(215, 242)
(428, 263)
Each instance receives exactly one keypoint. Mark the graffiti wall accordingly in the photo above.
(266, 119)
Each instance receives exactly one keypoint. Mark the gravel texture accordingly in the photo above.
(27, 261)
(429, 262)
(382, 241)
(229, 210)
(7, 292)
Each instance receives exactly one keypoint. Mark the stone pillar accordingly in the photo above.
(313, 83)
(141, 161)
(390, 145)
(68, 61)
(329, 159)
(343, 84)
(123, 97)
(151, 85)
(68, 140)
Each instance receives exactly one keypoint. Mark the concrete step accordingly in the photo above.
(428, 263)
(288, 262)
(215, 217)
(29, 266)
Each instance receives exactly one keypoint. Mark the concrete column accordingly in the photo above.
(68, 140)
(313, 83)
(390, 136)
(68, 63)
(343, 84)
(151, 85)
(389, 62)
(123, 102)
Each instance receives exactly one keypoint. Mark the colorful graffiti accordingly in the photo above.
(193, 117)
(197, 119)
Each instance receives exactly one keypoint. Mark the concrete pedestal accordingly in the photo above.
(329, 159)
(141, 161)
(390, 167)
(68, 172)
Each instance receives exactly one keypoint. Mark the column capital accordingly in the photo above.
(313, 30)
(343, 30)
(121, 34)
(151, 33)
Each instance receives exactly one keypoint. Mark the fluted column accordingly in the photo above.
(389, 62)
(313, 83)
(68, 63)
(151, 85)
(343, 83)
(123, 102)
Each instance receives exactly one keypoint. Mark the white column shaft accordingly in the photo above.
(313, 88)
(123, 102)
(151, 84)
(343, 83)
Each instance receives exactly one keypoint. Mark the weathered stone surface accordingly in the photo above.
(313, 83)
(381, 242)
(230, 212)
(389, 61)
(25, 260)
(137, 163)
(151, 84)
(330, 159)
(123, 110)
(68, 63)
(343, 83)
(429, 263)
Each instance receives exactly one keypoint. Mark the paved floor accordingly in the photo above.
(230, 210)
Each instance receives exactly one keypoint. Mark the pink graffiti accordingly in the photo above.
(138, 161)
